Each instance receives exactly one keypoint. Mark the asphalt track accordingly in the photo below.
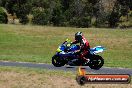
(103, 70)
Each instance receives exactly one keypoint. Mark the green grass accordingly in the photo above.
(39, 43)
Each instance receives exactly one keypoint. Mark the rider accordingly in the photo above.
(84, 45)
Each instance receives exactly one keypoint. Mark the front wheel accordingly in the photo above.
(57, 62)
(96, 62)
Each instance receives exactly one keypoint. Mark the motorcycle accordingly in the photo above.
(65, 55)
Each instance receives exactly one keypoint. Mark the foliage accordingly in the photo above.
(78, 13)
(121, 8)
(3, 16)
(40, 17)
(57, 17)
(125, 22)
(19, 7)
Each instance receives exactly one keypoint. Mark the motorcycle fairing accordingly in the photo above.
(97, 49)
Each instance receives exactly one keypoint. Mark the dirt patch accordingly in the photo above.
(35, 80)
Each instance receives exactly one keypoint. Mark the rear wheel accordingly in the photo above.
(96, 62)
(57, 62)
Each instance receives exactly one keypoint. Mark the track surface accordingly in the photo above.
(103, 70)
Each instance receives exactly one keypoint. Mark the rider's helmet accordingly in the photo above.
(78, 36)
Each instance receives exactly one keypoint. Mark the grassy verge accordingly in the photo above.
(41, 71)
(39, 78)
(33, 78)
(39, 43)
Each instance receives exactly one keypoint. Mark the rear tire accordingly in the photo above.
(96, 62)
(57, 62)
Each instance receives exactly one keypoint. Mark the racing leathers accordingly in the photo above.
(84, 48)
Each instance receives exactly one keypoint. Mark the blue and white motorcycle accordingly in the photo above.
(64, 56)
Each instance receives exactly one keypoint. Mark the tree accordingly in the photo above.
(2, 3)
(19, 7)
(3, 16)
(57, 16)
(121, 8)
(40, 17)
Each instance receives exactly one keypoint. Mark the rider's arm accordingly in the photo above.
(74, 42)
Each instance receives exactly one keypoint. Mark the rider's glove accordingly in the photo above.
(68, 45)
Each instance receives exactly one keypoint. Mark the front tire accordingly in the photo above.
(57, 62)
(96, 62)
